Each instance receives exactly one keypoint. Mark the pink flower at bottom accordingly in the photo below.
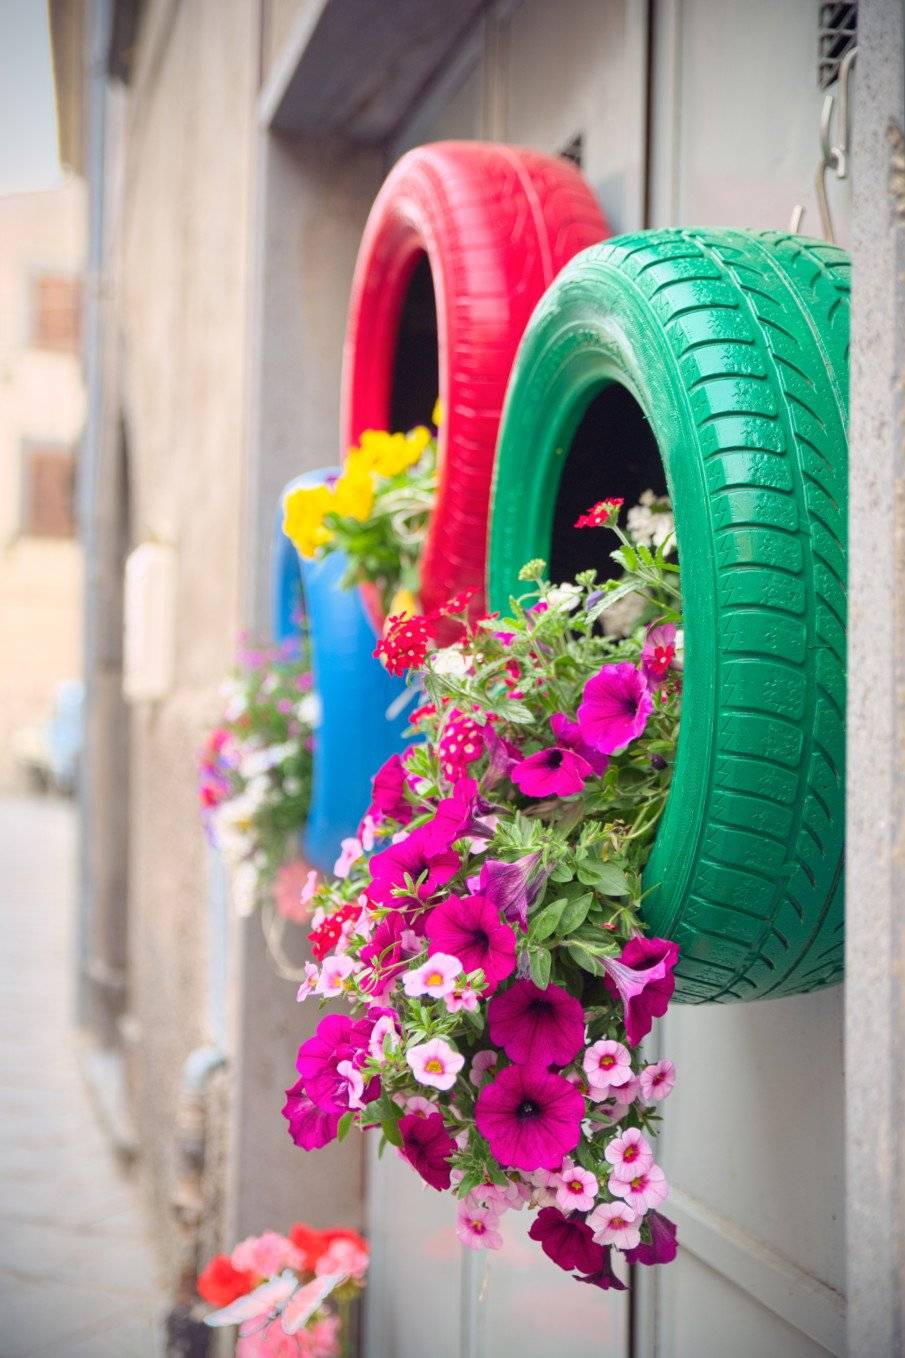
(319, 1340)
(265, 1255)
(615, 1223)
(343, 1256)
(476, 1227)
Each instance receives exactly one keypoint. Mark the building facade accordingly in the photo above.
(232, 152)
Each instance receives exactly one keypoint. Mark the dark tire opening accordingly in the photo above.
(613, 453)
(415, 378)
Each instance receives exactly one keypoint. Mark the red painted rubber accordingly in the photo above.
(497, 223)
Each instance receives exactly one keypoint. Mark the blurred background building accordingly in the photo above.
(42, 409)
(230, 151)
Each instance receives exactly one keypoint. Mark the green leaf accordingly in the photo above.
(562, 873)
(586, 960)
(390, 1129)
(545, 922)
(609, 879)
(344, 1124)
(576, 913)
(541, 966)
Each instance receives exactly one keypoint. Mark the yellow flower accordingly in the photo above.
(303, 518)
(437, 416)
(404, 604)
(417, 440)
(353, 494)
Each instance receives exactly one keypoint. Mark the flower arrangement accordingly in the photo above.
(484, 928)
(276, 1288)
(376, 512)
(255, 773)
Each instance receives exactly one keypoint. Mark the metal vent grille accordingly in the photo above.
(574, 150)
(838, 33)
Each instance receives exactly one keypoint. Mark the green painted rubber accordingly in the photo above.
(735, 346)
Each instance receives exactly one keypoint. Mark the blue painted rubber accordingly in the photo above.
(355, 734)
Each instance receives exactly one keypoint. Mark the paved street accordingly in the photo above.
(76, 1273)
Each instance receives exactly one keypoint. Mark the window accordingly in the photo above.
(48, 476)
(55, 312)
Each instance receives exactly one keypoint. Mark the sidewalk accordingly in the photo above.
(76, 1272)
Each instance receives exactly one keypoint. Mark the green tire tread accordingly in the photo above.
(735, 345)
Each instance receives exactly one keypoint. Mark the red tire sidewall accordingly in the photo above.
(497, 223)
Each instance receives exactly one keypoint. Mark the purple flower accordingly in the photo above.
(415, 858)
(337, 1040)
(309, 1126)
(543, 1027)
(513, 888)
(615, 707)
(427, 1146)
(554, 772)
(663, 1243)
(502, 756)
(387, 794)
(530, 1118)
(643, 979)
(568, 1241)
(659, 652)
(604, 1276)
(469, 928)
(568, 734)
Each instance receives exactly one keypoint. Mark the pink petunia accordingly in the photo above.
(657, 1081)
(607, 1064)
(470, 929)
(642, 977)
(388, 793)
(334, 974)
(531, 1119)
(576, 1188)
(615, 1223)
(629, 1153)
(615, 706)
(308, 982)
(568, 734)
(309, 1126)
(435, 977)
(477, 1228)
(658, 653)
(648, 1188)
(554, 772)
(482, 1066)
(411, 857)
(435, 1063)
(540, 1027)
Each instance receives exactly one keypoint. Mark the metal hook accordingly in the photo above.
(834, 156)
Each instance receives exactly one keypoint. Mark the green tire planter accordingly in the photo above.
(734, 345)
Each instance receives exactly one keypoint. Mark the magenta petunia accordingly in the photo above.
(643, 979)
(615, 707)
(337, 1040)
(663, 1245)
(309, 1126)
(456, 816)
(513, 888)
(541, 1027)
(469, 928)
(383, 956)
(568, 1241)
(530, 1117)
(659, 652)
(427, 1146)
(554, 772)
(413, 857)
(568, 735)
(388, 792)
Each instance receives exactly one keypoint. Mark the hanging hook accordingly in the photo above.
(834, 155)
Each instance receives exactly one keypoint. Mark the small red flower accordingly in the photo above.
(601, 515)
(325, 937)
(221, 1284)
(404, 643)
(459, 602)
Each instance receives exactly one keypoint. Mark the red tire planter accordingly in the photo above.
(493, 225)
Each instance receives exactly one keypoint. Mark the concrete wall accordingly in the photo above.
(41, 400)
(178, 254)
